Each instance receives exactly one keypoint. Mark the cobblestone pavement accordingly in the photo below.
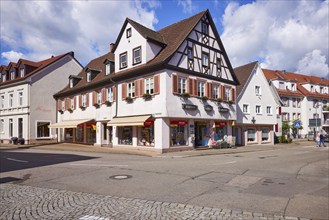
(26, 202)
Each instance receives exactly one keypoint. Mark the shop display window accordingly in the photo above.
(251, 135)
(69, 135)
(220, 131)
(91, 133)
(146, 136)
(125, 135)
(265, 134)
(178, 133)
(79, 134)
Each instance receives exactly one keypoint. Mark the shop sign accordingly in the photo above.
(220, 124)
(148, 123)
(208, 108)
(190, 107)
(224, 110)
(178, 123)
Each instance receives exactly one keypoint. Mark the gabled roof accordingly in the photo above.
(243, 73)
(39, 66)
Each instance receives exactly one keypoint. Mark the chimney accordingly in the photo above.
(111, 47)
(284, 72)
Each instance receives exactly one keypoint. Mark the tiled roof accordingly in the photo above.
(299, 79)
(243, 73)
(39, 66)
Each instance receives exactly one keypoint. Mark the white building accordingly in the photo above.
(172, 88)
(257, 106)
(26, 96)
(305, 99)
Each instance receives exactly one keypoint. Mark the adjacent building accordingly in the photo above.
(169, 89)
(304, 98)
(257, 107)
(26, 96)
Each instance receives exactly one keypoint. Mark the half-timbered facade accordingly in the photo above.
(175, 88)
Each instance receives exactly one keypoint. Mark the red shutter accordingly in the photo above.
(195, 87)
(280, 112)
(74, 102)
(174, 84)
(233, 95)
(276, 127)
(59, 104)
(104, 95)
(190, 86)
(223, 93)
(124, 90)
(94, 97)
(157, 84)
(137, 89)
(114, 93)
(67, 103)
(87, 99)
(210, 90)
(80, 100)
(142, 87)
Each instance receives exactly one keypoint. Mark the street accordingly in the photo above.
(271, 183)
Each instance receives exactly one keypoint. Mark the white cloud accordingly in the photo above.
(277, 33)
(312, 63)
(11, 55)
(46, 28)
(188, 7)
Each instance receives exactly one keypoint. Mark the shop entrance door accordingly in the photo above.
(201, 134)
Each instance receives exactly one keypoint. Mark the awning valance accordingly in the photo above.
(69, 123)
(129, 121)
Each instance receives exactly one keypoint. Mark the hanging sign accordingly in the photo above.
(220, 124)
(148, 123)
(208, 108)
(190, 107)
(178, 123)
(224, 110)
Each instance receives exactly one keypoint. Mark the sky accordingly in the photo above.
(289, 35)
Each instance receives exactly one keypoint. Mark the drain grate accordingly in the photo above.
(120, 177)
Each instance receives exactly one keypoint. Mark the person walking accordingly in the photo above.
(321, 140)
(317, 139)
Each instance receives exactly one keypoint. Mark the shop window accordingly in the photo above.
(91, 133)
(125, 135)
(178, 133)
(220, 131)
(42, 129)
(68, 135)
(251, 135)
(79, 133)
(265, 134)
(146, 135)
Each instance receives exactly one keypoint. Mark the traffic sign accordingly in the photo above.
(297, 124)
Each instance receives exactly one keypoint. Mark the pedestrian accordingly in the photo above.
(321, 140)
(317, 139)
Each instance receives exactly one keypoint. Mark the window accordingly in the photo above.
(4, 78)
(281, 85)
(11, 97)
(88, 76)
(285, 101)
(299, 102)
(205, 59)
(12, 75)
(215, 92)
(315, 115)
(107, 69)
(123, 60)
(321, 90)
(190, 53)
(265, 134)
(257, 90)
(137, 55)
(200, 89)
(42, 129)
(293, 87)
(128, 33)
(20, 98)
(2, 123)
(251, 134)
(315, 103)
(84, 100)
(109, 94)
(245, 108)
(285, 116)
(72, 103)
(22, 72)
(258, 109)
(205, 28)
(99, 97)
(294, 102)
(2, 101)
(131, 89)
(269, 110)
(63, 105)
(10, 127)
(312, 89)
(181, 85)
(227, 94)
(71, 83)
(219, 64)
(298, 116)
(149, 86)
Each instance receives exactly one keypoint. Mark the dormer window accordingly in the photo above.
(123, 60)
(293, 87)
(88, 77)
(22, 72)
(128, 32)
(321, 90)
(281, 86)
(107, 69)
(205, 28)
(71, 83)
(4, 78)
(12, 75)
(137, 55)
(312, 89)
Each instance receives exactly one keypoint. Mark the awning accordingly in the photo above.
(129, 121)
(69, 124)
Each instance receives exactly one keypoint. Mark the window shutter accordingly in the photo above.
(190, 86)
(80, 100)
(67, 103)
(59, 104)
(104, 95)
(74, 102)
(276, 127)
(195, 87)
(87, 99)
(142, 87)
(210, 90)
(280, 112)
(114, 93)
(223, 93)
(232, 94)
(137, 89)
(174, 84)
(124, 90)
(94, 97)
(157, 84)
(207, 93)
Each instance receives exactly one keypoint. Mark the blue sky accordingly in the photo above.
(290, 35)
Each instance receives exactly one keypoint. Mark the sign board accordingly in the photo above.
(297, 124)
(224, 110)
(208, 108)
(190, 107)
(314, 122)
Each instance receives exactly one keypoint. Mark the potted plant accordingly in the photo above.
(185, 95)
(60, 111)
(204, 98)
(70, 110)
(219, 100)
(129, 99)
(107, 103)
(96, 105)
(147, 96)
(230, 102)
(82, 107)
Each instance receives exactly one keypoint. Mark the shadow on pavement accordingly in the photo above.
(11, 161)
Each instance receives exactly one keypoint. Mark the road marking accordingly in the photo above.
(98, 165)
(230, 162)
(92, 217)
(22, 161)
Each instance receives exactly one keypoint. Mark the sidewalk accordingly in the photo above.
(151, 152)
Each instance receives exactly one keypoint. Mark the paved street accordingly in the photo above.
(260, 184)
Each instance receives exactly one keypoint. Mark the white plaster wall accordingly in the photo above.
(151, 51)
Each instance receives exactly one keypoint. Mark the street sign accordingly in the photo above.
(297, 124)
(316, 122)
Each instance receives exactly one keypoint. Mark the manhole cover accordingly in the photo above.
(120, 177)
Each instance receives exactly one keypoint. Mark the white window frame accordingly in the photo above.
(182, 85)
(4, 78)
(84, 100)
(128, 32)
(137, 59)
(2, 124)
(11, 100)
(109, 94)
(2, 101)
(36, 129)
(293, 87)
(247, 108)
(123, 64)
(88, 77)
(227, 94)
(215, 92)
(269, 110)
(260, 109)
(149, 86)
(72, 103)
(285, 116)
(22, 72)
(255, 133)
(71, 83)
(258, 90)
(107, 69)
(131, 89)
(11, 127)
(99, 97)
(20, 98)
(205, 59)
(12, 75)
(201, 88)
(281, 85)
